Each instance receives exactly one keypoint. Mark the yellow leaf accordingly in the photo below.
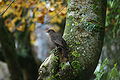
(10, 25)
(39, 17)
(21, 27)
(16, 19)
(32, 38)
(32, 27)
(1, 2)
(52, 13)
(37, 13)
(56, 19)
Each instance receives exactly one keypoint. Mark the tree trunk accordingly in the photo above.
(84, 34)
(111, 47)
(26, 56)
(1, 55)
(8, 47)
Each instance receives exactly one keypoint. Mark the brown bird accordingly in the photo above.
(59, 42)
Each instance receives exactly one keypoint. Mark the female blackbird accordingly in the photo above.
(59, 42)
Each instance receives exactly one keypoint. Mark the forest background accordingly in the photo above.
(22, 20)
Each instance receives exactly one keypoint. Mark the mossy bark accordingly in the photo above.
(84, 34)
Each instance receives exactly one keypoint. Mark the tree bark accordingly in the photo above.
(8, 47)
(84, 32)
(1, 55)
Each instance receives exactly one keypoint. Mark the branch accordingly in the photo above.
(7, 8)
(56, 14)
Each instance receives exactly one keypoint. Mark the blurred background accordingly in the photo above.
(28, 20)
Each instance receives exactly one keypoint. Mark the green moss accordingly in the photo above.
(71, 18)
(77, 42)
(70, 46)
(51, 78)
(76, 64)
(67, 24)
(55, 58)
(90, 26)
(75, 54)
(63, 65)
(76, 23)
(53, 70)
(54, 77)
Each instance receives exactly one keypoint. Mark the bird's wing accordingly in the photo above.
(59, 40)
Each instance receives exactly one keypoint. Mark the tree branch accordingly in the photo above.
(7, 8)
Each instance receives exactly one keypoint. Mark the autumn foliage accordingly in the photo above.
(24, 12)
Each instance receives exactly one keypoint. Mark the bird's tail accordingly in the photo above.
(65, 52)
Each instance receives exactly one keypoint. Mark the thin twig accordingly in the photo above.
(56, 14)
(7, 8)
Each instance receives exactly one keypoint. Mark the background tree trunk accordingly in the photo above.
(25, 55)
(17, 56)
(8, 47)
(84, 34)
(111, 47)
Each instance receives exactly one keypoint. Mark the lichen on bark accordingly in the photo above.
(83, 33)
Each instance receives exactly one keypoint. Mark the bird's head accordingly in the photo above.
(50, 31)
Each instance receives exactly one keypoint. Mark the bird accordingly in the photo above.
(59, 42)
